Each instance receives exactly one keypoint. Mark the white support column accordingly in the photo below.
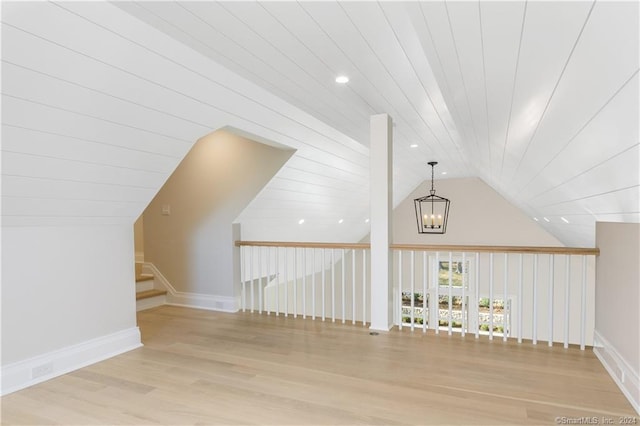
(381, 201)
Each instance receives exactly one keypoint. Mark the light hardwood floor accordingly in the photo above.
(201, 367)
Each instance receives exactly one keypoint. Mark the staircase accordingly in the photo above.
(147, 295)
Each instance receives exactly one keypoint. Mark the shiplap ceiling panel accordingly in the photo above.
(616, 127)
(398, 16)
(38, 188)
(441, 49)
(304, 176)
(489, 89)
(336, 22)
(50, 120)
(464, 24)
(614, 173)
(15, 163)
(328, 61)
(16, 139)
(86, 72)
(283, 184)
(382, 38)
(501, 29)
(549, 33)
(39, 88)
(64, 208)
(604, 58)
(292, 60)
(190, 22)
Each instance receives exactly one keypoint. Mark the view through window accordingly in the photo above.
(477, 315)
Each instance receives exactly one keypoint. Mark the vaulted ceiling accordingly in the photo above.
(539, 99)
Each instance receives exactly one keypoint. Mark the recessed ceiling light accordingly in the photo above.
(342, 79)
(546, 220)
(366, 221)
(564, 220)
(444, 173)
(536, 219)
(414, 145)
(301, 221)
(341, 220)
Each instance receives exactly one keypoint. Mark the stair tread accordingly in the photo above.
(141, 278)
(150, 293)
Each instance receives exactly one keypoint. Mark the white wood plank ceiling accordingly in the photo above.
(539, 99)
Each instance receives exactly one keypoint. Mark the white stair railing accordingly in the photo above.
(521, 293)
(525, 293)
(328, 281)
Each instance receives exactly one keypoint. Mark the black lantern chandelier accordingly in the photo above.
(432, 211)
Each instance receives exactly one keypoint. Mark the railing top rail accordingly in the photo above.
(499, 249)
(433, 247)
(303, 245)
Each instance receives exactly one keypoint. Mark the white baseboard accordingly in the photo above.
(193, 300)
(619, 370)
(22, 374)
(139, 256)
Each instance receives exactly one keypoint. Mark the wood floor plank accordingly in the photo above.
(204, 368)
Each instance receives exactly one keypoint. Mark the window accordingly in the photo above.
(463, 311)
(501, 316)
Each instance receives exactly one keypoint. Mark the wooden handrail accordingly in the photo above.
(499, 249)
(303, 245)
(430, 247)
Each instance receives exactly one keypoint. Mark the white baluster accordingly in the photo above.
(535, 299)
(520, 271)
(342, 283)
(464, 294)
(504, 299)
(450, 293)
(400, 289)
(436, 302)
(477, 294)
(491, 296)
(286, 282)
(313, 284)
(551, 293)
(413, 284)
(260, 277)
(266, 293)
(251, 285)
(243, 276)
(304, 283)
(323, 285)
(333, 286)
(583, 303)
(364, 287)
(277, 281)
(295, 282)
(567, 292)
(353, 286)
(425, 261)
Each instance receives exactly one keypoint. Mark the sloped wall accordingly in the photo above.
(188, 224)
(478, 215)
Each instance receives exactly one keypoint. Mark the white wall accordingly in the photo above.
(192, 246)
(62, 287)
(478, 215)
(618, 298)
